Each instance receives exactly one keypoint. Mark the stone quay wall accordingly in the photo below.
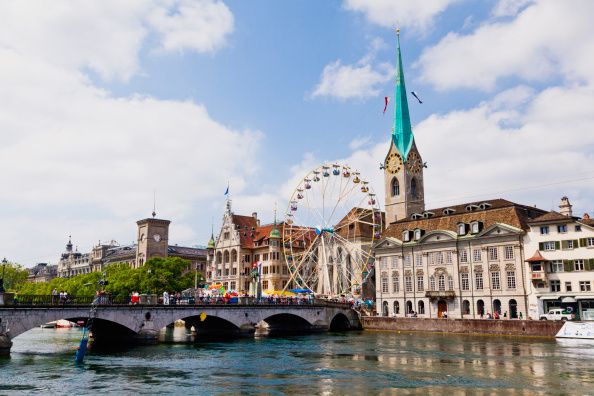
(540, 328)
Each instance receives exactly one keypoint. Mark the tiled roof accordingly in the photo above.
(246, 225)
(589, 222)
(496, 211)
(551, 217)
(536, 257)
(186, 251)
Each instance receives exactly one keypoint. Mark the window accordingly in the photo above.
(465, 283)
(578, 265)
(383, 263)
(430, 258)
(439, 258)
(265, 285)
(394, 261)
(408, 283)
(585, 286)
(421, 310)
(449, 257)
(557, 266)
(413, 187)
(408, 260)
(395, 284)
(461, 229)
(578, 228)
(544, 230)
(493, 253)
(441, 282)
(495, 281)
(476, 255)
(463, 256)
(511, 279)
(265, 257)
(406, 236)
(548, 245)
(478, 277)
(395, 187)
(570, 244)
(450, 283)
(568, 286)
(420, 283)
(432, 283)
(418, 234)
(562, 228)
(475, 227)
(509, 252)
(418, 260)
(384, 284)
(590, 242)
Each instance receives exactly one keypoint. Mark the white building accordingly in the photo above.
(560, 248)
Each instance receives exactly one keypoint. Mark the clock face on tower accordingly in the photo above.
(414, 162)
(157, 237)
(393, 163)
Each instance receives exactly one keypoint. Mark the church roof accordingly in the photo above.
(402, 134)
(490, 212)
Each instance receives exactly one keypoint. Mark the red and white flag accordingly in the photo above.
(386, 101)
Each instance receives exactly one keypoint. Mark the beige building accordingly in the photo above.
(152, 241)
(243, 244)
(560, 263)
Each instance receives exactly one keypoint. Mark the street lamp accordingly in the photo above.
(4, 262)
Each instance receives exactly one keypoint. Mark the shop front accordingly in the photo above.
(567, 303)
(586, 307)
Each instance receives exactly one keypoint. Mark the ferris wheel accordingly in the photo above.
(330, 224)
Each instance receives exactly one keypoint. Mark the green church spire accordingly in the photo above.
(402, 132)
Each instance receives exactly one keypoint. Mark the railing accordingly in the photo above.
(152, 300)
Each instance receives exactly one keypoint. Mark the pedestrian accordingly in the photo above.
(165, 298)
(521, 316)
(505, 315)
(54, 296)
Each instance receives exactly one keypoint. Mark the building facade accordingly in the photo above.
(561, 263)
(243, 244)
(152, 241)
(42, 272)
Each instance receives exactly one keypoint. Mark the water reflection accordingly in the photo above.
(339, 363)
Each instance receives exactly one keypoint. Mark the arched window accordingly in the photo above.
(432, 283)
(395, 187)
(466, 307)
(480, 308)
(219, 258)
(409, 307)
(385, 310)
(421, 310)
(497, 306)
(513, 309)
(441, 282)
(226, 256)
(413, 187)
(233, 256)
(396, 308)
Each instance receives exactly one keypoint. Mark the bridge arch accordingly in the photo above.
(288, 322)
(340, 322)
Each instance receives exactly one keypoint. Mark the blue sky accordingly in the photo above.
(102, 103)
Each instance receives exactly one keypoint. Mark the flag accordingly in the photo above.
(202, 316)
(416, 96)
(386, 101)
(227, 190)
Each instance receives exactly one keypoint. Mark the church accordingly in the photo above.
(459, 261)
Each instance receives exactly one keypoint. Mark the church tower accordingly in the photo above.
(403, 166)
(153, 239)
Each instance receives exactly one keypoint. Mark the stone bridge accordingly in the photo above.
(141, 323)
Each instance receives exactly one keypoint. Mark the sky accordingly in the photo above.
(104, 104)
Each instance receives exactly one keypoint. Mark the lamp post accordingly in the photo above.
(4, 262)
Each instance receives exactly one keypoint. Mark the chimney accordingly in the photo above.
(586, 216)
(565, 207)
(255, 216)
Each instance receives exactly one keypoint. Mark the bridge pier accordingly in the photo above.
(5, 345)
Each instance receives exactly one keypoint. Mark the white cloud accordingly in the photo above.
(107, 36)
(509, 7)
(361, 80)
(546, 40)
(405, 13)
(359, 142)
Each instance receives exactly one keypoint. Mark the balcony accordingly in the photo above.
(448, 294)
(539, 275)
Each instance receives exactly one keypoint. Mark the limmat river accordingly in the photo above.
(370, 363)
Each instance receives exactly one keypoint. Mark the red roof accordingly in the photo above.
(536, 257)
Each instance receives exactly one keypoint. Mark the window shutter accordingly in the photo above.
(557, 245)
(564, 244)
(590, 267)
(540, 245)
(583, 242)
(568, 265)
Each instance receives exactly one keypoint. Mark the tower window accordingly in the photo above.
(395, 187)
(413, 187)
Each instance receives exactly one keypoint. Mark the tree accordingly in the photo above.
(14, 276)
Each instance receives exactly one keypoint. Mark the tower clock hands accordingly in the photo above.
(382, 166)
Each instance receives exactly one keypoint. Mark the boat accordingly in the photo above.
(581, 330)
(49, 325)
(64, 324)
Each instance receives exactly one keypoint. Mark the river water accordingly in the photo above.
(382, 363)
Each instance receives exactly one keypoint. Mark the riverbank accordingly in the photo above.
(532, 328)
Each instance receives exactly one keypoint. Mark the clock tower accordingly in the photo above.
(403, 166)
(152, 239)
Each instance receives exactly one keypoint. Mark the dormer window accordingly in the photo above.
(462, 229)
(448, 211)
(406, 236)
(471, 207)
(484, 206)
(416, 216)
(418, 234)
(428, 214)
(475, 227)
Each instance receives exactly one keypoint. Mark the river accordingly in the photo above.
(335, 363)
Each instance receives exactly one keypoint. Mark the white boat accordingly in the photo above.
(582, 330)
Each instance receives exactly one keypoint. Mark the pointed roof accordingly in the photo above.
(536, 257)
(402, 132)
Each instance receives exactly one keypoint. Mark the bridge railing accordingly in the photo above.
(73, 300)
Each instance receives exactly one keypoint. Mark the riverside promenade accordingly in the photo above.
(514, 327)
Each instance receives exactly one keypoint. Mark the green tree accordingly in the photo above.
(14, 276)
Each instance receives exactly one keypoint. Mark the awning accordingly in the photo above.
(568, 300)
